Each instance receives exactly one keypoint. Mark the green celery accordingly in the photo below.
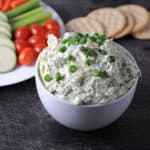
(23, 8)
(28, 14)
(42, 23)
(34, 19)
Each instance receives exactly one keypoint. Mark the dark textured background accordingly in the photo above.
(25, 125)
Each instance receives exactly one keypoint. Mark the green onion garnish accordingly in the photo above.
(83, 49)
(71, 58)
(102, 39)
(111, 59)
(64, 41)
(93, 39)
(71, 41)
(103, 52)
(58, 76)
(90, 52)
(83, 41)
(48, 78)
(63, 49)
(97, 35)
(98, 73)
(89, 62)
(78, 35)
(73, 68)
(86, 35)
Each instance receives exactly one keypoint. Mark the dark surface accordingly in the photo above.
(25, 125)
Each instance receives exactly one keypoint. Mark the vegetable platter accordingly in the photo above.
(24, 28)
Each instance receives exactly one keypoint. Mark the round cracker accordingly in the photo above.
(84, 25)
(128, 28)
(144, 34)
(140, 14)
(114, 21)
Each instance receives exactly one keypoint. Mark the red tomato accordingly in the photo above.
(52, 24)
(38, 48)
(20, 45)
(27, 56)
(22, 33)
(54, 32)
(37, 29)
(35, 39)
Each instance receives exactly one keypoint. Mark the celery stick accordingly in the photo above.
(42, 22)
(34, 19)
(23, 8)
(28, 14)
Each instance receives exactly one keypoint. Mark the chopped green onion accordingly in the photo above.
(86, 35)
(103, 52)
(73, 68)
(98, 73)
(71, 58)
(48, 78)
(63, 49)
(71, 41)
(89, 62)
(93, 39)
(95, 73)
(83, 49)
(96, 35)
(90, 52)
(103, 74)
(58, 76)
(102, 39)
(64, 41)
(83, 41)
(111, 59)
(78, 35)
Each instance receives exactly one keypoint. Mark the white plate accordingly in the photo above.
(22, 73)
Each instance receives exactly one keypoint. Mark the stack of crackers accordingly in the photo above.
(114, 22)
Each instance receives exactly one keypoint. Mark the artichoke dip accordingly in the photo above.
(86, 68)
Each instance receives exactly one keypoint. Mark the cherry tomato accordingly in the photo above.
(52, 24)
(35, 39)
(20, 45)
(22, 33)
(27, 56)
(38, 48)
(54, 32)
(37, 29)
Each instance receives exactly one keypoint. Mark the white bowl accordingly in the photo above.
(84, 117)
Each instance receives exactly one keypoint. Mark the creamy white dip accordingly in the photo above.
(69, 72)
